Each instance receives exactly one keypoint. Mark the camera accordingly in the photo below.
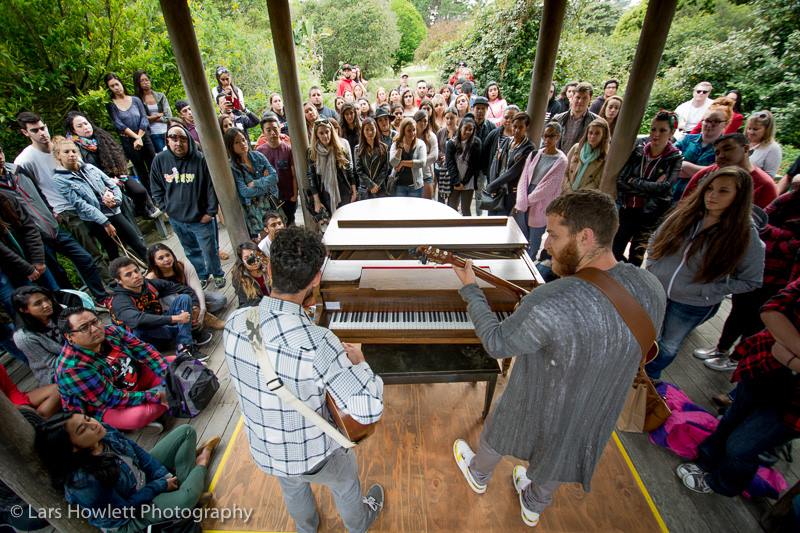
(253, 260)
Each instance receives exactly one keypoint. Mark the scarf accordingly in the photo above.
(587, 155)
(84, 142)
(329, 175)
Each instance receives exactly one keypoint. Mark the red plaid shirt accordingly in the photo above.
(755, 352)
(782, 240)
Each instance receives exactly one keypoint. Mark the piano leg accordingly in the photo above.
(487, 403)
(506, 365)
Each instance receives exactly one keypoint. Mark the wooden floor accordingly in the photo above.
(682, 510)
(410, 454)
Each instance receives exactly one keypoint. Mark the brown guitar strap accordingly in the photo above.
(631, 311)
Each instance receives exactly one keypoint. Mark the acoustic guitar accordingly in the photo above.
(353, 430)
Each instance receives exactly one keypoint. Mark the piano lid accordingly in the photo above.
(404, 223)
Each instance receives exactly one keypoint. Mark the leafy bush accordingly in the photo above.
(412, 31)
(439, 35)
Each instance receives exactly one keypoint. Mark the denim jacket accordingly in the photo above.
(85, 490)
(264, 178)
(83, 190)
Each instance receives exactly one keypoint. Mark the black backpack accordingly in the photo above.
(190, 386)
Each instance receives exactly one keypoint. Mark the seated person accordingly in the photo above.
(250, 277)
(99, 468)
(273, 223)
(107, 373)
(141, 305)
(39, 337)
(162, 264)
(45, 400)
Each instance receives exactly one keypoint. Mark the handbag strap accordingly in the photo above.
(275, 385)
(631, 311)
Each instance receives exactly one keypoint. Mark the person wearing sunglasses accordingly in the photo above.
(698, 149)
(691, 112)
(250, 277)
(225, 86)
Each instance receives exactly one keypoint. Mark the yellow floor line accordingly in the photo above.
(228, 450)
(640, 483)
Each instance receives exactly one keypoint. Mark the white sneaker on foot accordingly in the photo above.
(687, 469)
(463, 455)
(520, 479)
(721, 364)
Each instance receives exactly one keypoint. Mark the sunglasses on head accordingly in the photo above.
(322, 120)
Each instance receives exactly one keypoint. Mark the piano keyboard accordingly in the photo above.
(403, 320)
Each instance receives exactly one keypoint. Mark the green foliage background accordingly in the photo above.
(412, 31)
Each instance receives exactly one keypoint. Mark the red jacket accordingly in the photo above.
(344, 85)
(764, 190)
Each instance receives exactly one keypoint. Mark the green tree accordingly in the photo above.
(412, 31)
(354, 31)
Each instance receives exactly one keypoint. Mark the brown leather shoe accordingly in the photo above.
(211, 444)
(212, 322)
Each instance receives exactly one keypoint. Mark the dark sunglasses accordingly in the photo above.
(322, 120)
(176, 137)
(701, 91)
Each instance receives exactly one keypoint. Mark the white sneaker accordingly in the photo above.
(687, 469)
(520, 479)
(697, 483)
(721, 364)
(708, 353)
(463, 455)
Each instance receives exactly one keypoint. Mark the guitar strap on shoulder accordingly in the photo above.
(275, 385)
(631, 311)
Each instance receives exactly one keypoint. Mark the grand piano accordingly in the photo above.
(407, 315)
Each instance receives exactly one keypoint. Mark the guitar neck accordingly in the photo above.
(487, 276)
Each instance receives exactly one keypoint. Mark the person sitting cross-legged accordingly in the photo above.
(107, 373)
(155, 310)
(44, 400)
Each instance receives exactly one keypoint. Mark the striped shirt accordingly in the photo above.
(310, 360)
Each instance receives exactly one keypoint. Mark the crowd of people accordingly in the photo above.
(697, 203)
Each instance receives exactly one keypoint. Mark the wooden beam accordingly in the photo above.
(655, 29)
(280, 23)
(543, 65)
(187, 55)
(22, 470)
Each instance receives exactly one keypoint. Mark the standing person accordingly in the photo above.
(609, 89)
(315, 97)
(97, 199)
(421, 93)
(276, 106)
(508, 158)
(250, 275)
(445, 134)
(587, 159)
(447, 93)
(394, 98)
(385, 132)
(483, 128)
(610, 111)
(310, 114)
(282, 443)
(182, 188)
(462, 159)
(242, 119)
(364, 109)
(346, 82)
(331, 182)
(351, 127)
(157, 107)
(706, 248)
(187, 117)
(539, 184)
(338, 102)
(644, 188)
(372, 162)
(381, 99)
(495, 138)
(765, 153)
(593, 365)
(553, 105)
(407, 99)
(359, 92)
(255, 179)
(439, 107)
(462, 105)
(426, 135)
(99, 148)
(279, 155)
(129, 117)
(692, 111)
(21, 247)
(497, 104)
(408, 156)
(564, 98)
(225, 86)
(575, 121)
(397, 113)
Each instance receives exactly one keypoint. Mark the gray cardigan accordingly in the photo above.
(420, 159)
(42, 353)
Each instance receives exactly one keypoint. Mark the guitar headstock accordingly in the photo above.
(429, 253)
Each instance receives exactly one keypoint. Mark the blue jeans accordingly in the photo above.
(408, 191)
(752, 425)
(87, 266)
(163, 336)
(679, 321)
(159, 141)
(535, 240)
(199, 242)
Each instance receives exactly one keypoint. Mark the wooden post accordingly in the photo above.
(187, 55)
(657, 22)
(22, 470)
(543, 65)
(280, 23)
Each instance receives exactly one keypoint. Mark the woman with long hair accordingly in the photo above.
(462, 105)
(733, 101)
(250, 275)
(100, 149)
(359, 91)
(381, 99)
(97, 200)
(331, 180)
(372, 162)
(565, 96)
(129, 117)
(338, 103)
(407, 157)
(157, 106)
(447, 93)
(427, 105)
(106, 474)
(38, 336)
(706, 248)
(426, 135)
(364, 109)
(508, 162)
(765, 153)
(311, 115)
(225, 123)
(439, 108)
(497, 104)
(407, 100)
(349, 97)
(394, 98)
(351, 127)
(644, 187)
(225, 85)
(162, 264)
(610, 111)
(276, 106)
(553, 105)
(587, 159)
(445, 134)
(462, 159)
(255, 179)
(397, 116)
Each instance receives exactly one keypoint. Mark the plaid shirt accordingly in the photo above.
(310, 360)
(86, 381)
(755, 352)
(782, 240)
